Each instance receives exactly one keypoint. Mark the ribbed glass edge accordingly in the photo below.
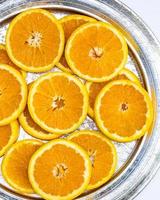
(147, 162)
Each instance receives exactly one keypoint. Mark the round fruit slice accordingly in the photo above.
(15, 165)
(123, 111)
(39, 34)
(66, 173)
(13, 93)
(8, 135)
(58, 102)
(102, 154)
(96, 51)
(71, 23)
(4, 59)
(34, 129)
(94, 88)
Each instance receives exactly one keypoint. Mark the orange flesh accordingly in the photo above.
(69, 26)
(87, 60)
(63, 61)
(62, 182)
(5, 134)
(4, 59)
(123, 110)
(17, 164)
(95, 88)
(31, 123)
(49, 38)
(65, 89)
(100, 153)
(10, 94)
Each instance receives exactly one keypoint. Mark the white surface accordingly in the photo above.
(149, 11)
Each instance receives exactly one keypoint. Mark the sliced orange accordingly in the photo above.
(34, 129)
(58, 102)
(71, 23)
(15, 165)
(102, 154)
(96, 51)
(4, 59)
(94, 88)
(13, 94)
(60, 170)
(8, 135)
(35, 40)
(123, 111)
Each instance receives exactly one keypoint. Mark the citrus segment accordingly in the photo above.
(8, 135)
(71, 23)
(41, 37)
(94, 88)
(102, 154)
(58, 102)
(13, 94)
(4, 59)
(34, 129)
(15, 165)
(60, 170)
(96, 51)
(123, 111)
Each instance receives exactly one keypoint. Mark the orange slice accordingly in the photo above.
(96, 51)
(60, 170)
(94, 88)
(123, 111)
(35, 40)
(8, 135)
(15, 165)
(58, 102)
(71, 23)
(4, 59)
(13, 93)
(102, 154)
(34, 129)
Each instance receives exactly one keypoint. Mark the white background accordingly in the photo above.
(149, 11)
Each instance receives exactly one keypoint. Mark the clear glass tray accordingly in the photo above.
(137, 161)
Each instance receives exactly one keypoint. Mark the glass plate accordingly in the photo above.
(137, 161)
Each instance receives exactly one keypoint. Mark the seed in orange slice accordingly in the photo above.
(13, 94)
(123, 111)
(15, 165)
(35, 40)
(8, 135)
(34, 129)
(94, 88)
(60, 170)
(102, 154)
(4, 59)
(70, 23)
(58, 102)
(96, 51)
